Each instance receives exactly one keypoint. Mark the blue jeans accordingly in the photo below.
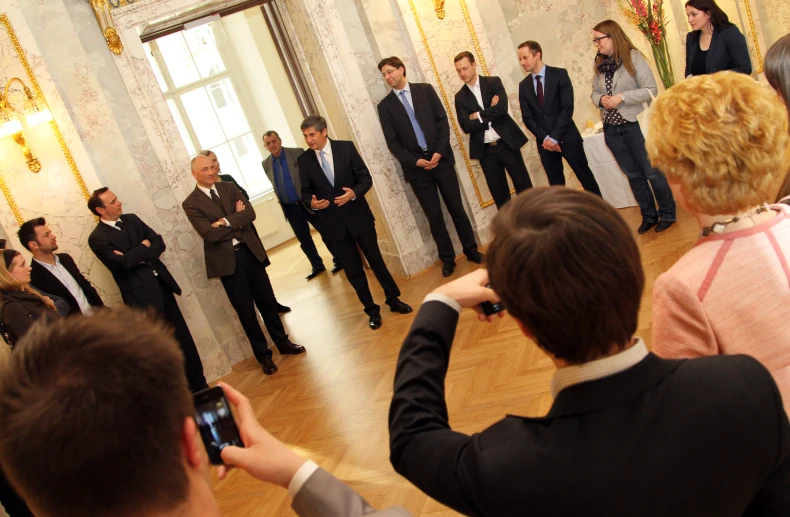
(628, 147)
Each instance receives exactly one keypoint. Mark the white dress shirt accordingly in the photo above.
(110, 223)
(328, 156)
(62, 274)
(490, 135)
(301, 477)
(207, 191)
(408, 95)
(576, 374)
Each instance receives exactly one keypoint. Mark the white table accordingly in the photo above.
(613, 183)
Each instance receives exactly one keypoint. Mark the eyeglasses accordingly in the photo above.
(598, 40)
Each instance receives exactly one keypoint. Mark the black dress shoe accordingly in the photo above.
(663, 225)
(375, 321)
(398, 306)
(282, 308)
(315, 272)
(290, 349)
(337, 268)
(644, 227)
(269, 368)
(476, 257)
(448, 269)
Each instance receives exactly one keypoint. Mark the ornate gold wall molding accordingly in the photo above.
(52, 124)
(475, 41)
(755, 42)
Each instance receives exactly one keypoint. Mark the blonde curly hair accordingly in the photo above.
(723, 138)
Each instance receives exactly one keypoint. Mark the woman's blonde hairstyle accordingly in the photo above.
(622, 46)
(9, 283)
(723, 138)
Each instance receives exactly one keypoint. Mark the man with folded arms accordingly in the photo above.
(629, 433)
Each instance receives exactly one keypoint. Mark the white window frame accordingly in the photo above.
(174, 94)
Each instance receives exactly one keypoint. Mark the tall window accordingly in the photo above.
(192, 70)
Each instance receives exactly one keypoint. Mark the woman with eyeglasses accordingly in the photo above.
(714, 44)
(620, 88)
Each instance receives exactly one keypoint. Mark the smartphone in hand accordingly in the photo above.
(216, 423)
(490, 309)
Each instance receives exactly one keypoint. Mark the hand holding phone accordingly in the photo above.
(262, 456)
(473, 291)
(491, 309)
(215, 423)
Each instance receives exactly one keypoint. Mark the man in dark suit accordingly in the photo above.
(131, 249)
(418, 134)
(235, 255)
(56, 273)
(546, 99)
(283, 173)
(334, 183)
(494, 137)
(629, 433)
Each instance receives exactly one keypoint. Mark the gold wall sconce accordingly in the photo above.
(36, 112)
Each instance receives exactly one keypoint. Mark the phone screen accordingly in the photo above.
(215, 422)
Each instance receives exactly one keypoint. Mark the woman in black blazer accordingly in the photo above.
(21, 306)
(714, 44)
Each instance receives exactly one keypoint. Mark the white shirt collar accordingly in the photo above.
(108, 223)
(598, 369)
(207, 191)
(476, 85)
(327, 149)
(57, 261)
(542, 75)
(405, 89)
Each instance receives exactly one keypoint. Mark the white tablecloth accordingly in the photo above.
(613, 183)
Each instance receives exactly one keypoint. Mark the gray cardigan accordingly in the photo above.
(633, 88)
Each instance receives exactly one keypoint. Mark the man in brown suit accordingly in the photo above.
(235, 255)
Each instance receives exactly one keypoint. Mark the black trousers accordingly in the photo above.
(348, 254)
(497, 159)
(247, 287)
(573, 152)
(299, 218)
(427, 185)
(193, 367)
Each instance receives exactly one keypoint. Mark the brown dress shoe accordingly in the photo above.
(269, 368)
(290, 348)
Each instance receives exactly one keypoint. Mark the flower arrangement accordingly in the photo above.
(648, 17)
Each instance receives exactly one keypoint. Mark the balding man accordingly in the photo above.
(235, 255)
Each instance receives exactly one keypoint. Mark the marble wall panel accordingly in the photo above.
(774, 19)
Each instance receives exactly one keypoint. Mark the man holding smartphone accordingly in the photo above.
(120, 436)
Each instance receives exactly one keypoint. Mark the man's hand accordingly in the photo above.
(345, 198)
(435, 159)
(318, 204)
(263, 456)
(470, 291)
(117, 252)
(146, 242)
(219, 222)
(424, 164)
(240, 206)
(551, 146)
(473, 116)
(495, 100)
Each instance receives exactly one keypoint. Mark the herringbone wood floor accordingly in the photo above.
(331, 403)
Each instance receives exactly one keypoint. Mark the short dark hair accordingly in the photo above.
(95, 201)
(115, 400)
(27, 232)
(718, 18)
(566, 265)
(777, 68)
(394, 62)
(316, 121)
(465, 54)
(270, 133)
(533, 47)
(2, 244)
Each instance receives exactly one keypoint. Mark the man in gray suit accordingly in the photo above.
(135, 449)
(283, 173)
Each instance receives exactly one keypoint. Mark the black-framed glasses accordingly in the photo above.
(598, 40)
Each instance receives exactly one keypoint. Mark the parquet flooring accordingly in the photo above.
(331, 403)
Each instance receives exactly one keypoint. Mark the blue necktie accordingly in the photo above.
(413, 118)
(327, 169)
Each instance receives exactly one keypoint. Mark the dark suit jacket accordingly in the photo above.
(555, 118)
(693, 437)
(230, 179)
(291, 155)
(728, 51)
(501, 122)
(218, 242)
(134, 270)
(400, 135)
(42, 279)
(350, 172)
